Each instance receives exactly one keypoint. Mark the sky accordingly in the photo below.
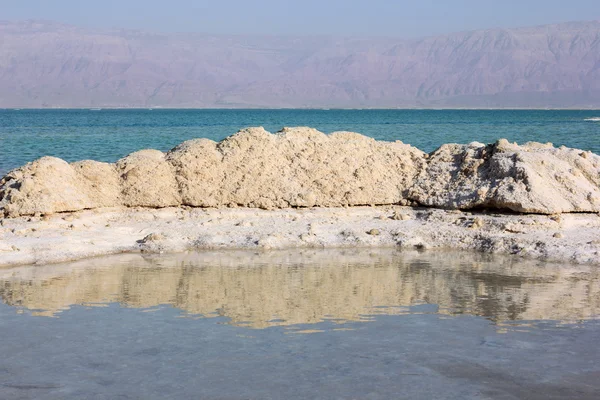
(396, 18)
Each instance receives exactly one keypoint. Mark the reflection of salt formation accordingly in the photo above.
(292, 287)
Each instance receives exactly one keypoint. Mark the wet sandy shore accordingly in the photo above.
(573, 238)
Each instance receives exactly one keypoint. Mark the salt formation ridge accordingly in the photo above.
(302, 167)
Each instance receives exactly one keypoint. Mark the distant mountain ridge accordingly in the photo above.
(46, 64)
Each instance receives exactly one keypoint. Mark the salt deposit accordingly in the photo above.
(204, 194)
(302, 167)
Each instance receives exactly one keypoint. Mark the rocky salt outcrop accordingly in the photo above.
(532, 178)
(297, 167)
(147, 180)
(51, 185)
(302, 167)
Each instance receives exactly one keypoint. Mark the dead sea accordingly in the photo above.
(303, 265)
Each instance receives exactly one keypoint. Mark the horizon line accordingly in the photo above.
(107, 30)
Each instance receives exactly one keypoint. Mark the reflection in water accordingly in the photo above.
(309, 286)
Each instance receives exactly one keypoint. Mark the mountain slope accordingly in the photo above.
(45, 64)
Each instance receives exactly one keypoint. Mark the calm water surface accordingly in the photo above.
(301, 324)
(108, 135)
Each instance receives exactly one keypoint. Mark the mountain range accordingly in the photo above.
(48, 64)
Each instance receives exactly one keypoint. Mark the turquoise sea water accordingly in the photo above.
(107, 135)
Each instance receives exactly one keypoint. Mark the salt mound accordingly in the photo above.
(147, 180)
(533, 178)
(297, 167)
(50, 185)
(302, 167)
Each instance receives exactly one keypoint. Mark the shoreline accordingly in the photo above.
(112, 108)
(71, 236)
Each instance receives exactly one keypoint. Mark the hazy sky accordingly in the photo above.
(339, 17)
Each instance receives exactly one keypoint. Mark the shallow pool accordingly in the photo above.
(301, 324)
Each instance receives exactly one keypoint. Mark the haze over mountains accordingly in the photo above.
(45, 64)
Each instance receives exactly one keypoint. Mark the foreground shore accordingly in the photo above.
(63, 237)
